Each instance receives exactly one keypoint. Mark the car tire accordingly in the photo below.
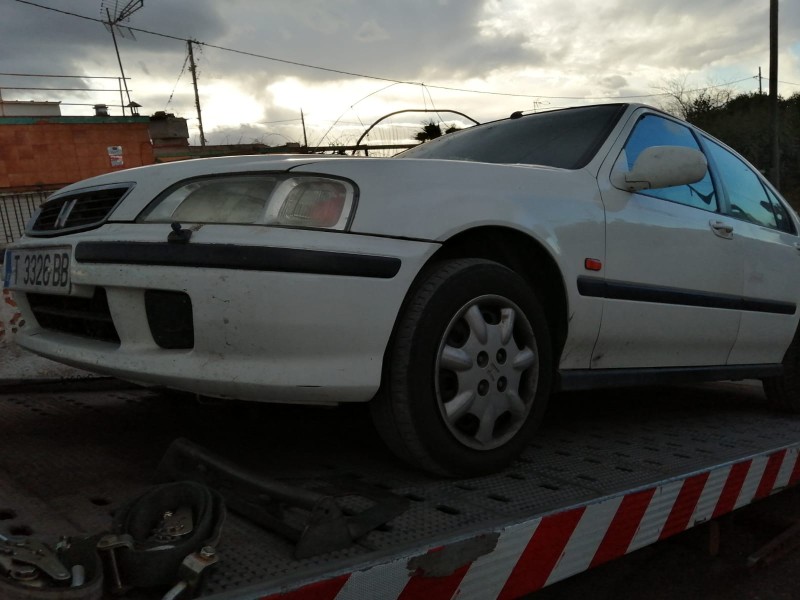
(468, 370)
(783, 391)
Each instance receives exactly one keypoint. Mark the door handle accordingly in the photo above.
(722, 229)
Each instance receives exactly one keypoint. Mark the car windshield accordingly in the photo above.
(566, 139)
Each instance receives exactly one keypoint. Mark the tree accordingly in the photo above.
(743, 124)
(742, 121)
(432, 130)
(686, 103)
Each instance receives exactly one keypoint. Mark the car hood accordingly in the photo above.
(430, 199)
(414, 198)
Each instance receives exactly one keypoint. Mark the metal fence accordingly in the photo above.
(15, 211)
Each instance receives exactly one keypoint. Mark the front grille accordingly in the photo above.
(86, 317)
(169, 315)
(77, 211)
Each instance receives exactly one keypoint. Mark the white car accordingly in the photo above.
(453, 286)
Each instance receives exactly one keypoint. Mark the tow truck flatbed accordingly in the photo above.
(609, 473)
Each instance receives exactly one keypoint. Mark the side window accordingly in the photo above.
(781, 214)
(748, 198)
(652, 130)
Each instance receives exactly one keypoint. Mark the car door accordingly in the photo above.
(670, 275)
(765, 234)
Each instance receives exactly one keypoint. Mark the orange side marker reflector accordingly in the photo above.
(592, 264)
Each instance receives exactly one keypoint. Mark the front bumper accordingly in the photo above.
(307, 320)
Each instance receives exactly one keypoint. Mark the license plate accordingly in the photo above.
(38, 270)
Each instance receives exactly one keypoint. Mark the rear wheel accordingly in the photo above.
(784, 390)
(468, 371)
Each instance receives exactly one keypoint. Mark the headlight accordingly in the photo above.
(284, 200)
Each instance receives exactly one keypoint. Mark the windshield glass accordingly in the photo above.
(562, 138)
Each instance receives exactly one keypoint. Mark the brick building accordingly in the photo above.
(39, 152)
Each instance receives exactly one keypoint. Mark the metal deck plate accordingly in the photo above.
(68, 459)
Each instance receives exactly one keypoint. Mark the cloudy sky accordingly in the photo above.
(484, 58)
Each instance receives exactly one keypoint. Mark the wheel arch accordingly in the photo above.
(520, 253)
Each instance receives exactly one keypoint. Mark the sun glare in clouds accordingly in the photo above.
(227, 106)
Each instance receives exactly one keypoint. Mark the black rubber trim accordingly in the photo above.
(620, 290)
(586, 379)
(231, 256)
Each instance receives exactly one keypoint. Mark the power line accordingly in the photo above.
(707, 87)
(52, 89)
(374, 77)
(352, 107)
(242, 52)
(279, 121)
(183, 68)
(85, 18)
(362, 75)
(87, 104)
(63, 76)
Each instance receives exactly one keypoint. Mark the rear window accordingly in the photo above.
(566, 139)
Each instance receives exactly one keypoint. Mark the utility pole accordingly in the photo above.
(773, 93)
(303, 121)
(193, 70)
(760, 89)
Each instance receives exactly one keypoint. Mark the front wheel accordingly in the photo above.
(468, 371)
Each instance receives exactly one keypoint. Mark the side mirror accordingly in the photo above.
(660, 167)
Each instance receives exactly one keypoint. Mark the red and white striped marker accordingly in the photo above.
(530, 555)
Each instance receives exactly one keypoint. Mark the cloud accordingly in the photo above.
(586, 48)
(371, 32)
(614, 82)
